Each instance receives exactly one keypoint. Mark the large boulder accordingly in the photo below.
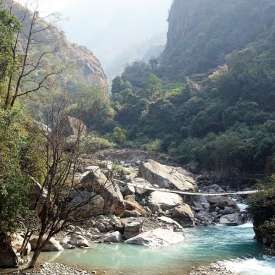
(51, 246)
(8, 257)
(157, 238)
(95, 181)
(92, 204)
(132, 227)
(184, 215)
(231, 219)
(164, 200)
(114, 237)
(165, 176)
(107, 223)
(77, 240)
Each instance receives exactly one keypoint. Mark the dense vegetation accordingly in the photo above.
(222, 120)
(19, 151)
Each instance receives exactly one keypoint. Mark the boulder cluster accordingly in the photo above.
(136, 202)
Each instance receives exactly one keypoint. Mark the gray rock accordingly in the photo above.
(142, 183)
(132, 227)
(51, 246)
(114, 237)
(157, 238)
(231, 219)
(167, 176)
(176, 226)
(78, 241)
(95, 181)
(92, 204)
(184, 215)
(164, 200)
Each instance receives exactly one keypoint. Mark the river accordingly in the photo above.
(234, 246)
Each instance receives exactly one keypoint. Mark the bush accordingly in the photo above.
(92, 143)
(119, 135)
(153, 146)
(16, 144)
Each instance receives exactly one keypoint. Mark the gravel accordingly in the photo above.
(212, 269)
(58, 269)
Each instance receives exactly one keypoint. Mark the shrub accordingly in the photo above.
(119, 135)
(153, 146)
(93, 143)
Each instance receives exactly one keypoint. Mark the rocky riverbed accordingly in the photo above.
(127, 209)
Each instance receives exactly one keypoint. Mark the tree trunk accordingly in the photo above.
(35, 257)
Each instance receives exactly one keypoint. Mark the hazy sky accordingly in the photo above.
(109, 27)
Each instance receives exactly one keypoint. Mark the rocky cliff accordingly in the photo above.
(203, 32)
(78, 64)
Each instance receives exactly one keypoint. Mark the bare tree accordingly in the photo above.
(53, 204)
(29, 73)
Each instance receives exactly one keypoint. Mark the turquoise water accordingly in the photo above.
(235, 246)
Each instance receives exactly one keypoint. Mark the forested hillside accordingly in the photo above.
(209, 100)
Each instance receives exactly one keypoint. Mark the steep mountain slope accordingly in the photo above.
(210, 100)
(203, 32)
(79, 65)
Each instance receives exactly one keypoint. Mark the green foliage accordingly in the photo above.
(8, 27)
(93, 143)
(223, 124)
(153, 146)
(91, 105)
(119, 135)
(19, 159)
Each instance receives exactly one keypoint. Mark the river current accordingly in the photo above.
(235, 247)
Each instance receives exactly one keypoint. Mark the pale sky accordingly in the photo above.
(109, 27)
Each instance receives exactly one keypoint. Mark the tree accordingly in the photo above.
(27, 72)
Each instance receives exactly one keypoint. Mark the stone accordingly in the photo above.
(17, 242)
(134, 206)
(51, 246)
(183, 214)
(164, 200)
(132, 227)
(165, 176)
(95, 181)
(92, 204)
(127, 190)
(114, 237)
(142, 183)
(231, 219)
(157, 238)
(8, 257)
(176, 226)
(108, 223)
(221, 202)
(78, 241)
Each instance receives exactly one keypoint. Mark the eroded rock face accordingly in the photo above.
(157, 238)
(95, 181)
(167, 176)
